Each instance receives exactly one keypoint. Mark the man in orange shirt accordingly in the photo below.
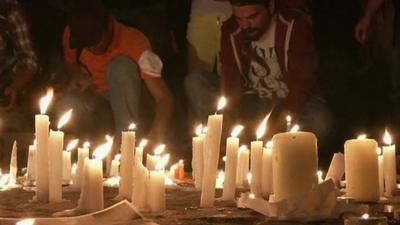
(119, 61)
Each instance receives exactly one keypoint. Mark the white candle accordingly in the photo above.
(256, 154)
(92, 197)
(389, 164)
(243, 166)
(232, 147)
(13, 165)
(42, 124)
(66, 174)
(31, 170)
(140, 183)
(362, 173)
(211, 150)
(55, 146)
(152, 160)
(127, 160)
(114, 172)
(156, 195)
(197, 157)
(380, 171)
(295, 164)
(336, 169)
(139, 150)
(219, 182)
(83, 153)
(266, 173)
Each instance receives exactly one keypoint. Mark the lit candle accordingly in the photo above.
(152, 160)
(83, 153)
(197, 157)
(295, 163)
(92, 197)
(31, 170)
(288, 123)
(219, 183)
(127, 160)
(362, 173)
(157, 186)
(232, 147)
(366, 219)
(114, 172)
(55, 147)
(139, 150)
(266, 172)
(381, 172)
(67, 176)
(180, 170)
(256, 154)
(140, 186)
(243, 166)
(211, 153)
(13, 165)
(389, 164)
(42, 124)
(336, 169)
(320, 173)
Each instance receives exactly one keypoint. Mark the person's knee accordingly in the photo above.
(122, 68)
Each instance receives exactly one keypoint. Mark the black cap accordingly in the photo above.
(248, 2)
(87, 20)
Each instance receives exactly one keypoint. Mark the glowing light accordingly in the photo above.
(4, 179)
(220, 180)
(249, 178)
(236, 131)
(159, 149)
(243, 148)
(72, 145)
(221, 103)
(224, 158)
(362, 137)
(378, 151)
(143, 143)
(86, 144)
(102, 151)
(252, 196)
(132, 127)
(44, 102)
(34, 142)
(295, 128)
(26, 222)
(288, 119)
(162, 162)
(205, 130)
(365, 216)
(169, 181)
(64, 119)
(199, 129)
(387, 138)
(74, 168)
(117, 157)
(319, 174)
(269, 144)
(262, 127)
(113, 181)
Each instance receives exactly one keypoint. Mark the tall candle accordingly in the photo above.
(256, 154)
(127, 160)
(212, 148)
(114, 172)
(232, 147)
(389, 164)
(362, 172)
(42, 124)
(55, 146)
(197, 157)
(266, 172)
(66, 174)
(139, 150)
(140, 186)
(83, 153)
(295, 164)
(31, 170)
(242, 166)
(13, 165)
(152, 160)
(336, 169)
(380, 171)
(156, 197)
(92, 197)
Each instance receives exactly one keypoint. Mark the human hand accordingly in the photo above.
(13, 96)
(361, 29)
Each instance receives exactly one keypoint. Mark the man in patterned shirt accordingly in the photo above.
(18, 61)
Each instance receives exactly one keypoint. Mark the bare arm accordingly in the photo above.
(362, 27)
(164, 108)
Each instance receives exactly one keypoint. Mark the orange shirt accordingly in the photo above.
(126, 42)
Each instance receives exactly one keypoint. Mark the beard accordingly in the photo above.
(252, 34)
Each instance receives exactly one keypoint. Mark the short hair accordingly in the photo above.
(248, 2)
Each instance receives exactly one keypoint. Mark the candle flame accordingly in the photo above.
(221, 103)
(162, 162)
(74, 168)
(236, 131)
(143, 143)
(243, 148)
(269, 145)
(221, 175)
(169, 181)
(205, 130)
(252, 196)
(102, 151)
(181, 161)
(34, 142)
(249, 178)
(26, 222)
(262, 127)
(72, 145)
(44, 102)
(199, 129)
(224, 158)
(108, 137)
(159, 149)
(365, 216)
(132, 127)
(86, 144)
(64, 119)
(387, 138)
(288, 118)
(295, 128)
(378, 151)
(117, 157)
(319, 175)
(362, 137)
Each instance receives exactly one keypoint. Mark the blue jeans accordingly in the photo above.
(202, 90)
(91, 110)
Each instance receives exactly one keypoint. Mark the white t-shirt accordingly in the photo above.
(207, 7)
(265, 76)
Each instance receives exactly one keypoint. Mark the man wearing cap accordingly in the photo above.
(268, 63)
(119, 61)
